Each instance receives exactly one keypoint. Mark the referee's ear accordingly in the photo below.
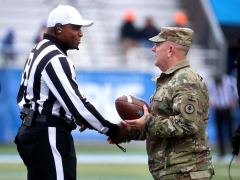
(58, 29)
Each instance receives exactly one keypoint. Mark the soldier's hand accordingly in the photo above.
(138, 123)
(124, 132)
(82, 127)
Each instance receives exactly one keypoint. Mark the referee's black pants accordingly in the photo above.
(223, 118)
(47, 150)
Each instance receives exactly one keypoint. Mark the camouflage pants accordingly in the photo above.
(184, 176)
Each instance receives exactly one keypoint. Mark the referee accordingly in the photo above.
(51, 102)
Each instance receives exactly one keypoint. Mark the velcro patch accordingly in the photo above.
(189, 107)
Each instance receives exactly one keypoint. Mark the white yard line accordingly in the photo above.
(90, 158)
(106, 158)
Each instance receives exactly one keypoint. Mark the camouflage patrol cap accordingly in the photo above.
(177, 35)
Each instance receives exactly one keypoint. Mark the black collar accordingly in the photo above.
(57, 42)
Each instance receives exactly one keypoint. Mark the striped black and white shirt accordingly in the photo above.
(49, 86)
(222, 91)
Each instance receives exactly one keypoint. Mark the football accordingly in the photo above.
(130, 107)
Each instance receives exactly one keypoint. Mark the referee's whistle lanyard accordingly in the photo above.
(120, 147)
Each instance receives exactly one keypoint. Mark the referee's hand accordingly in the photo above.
(123, 135)
(82, 127)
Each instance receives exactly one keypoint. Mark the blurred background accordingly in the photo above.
(115, 59)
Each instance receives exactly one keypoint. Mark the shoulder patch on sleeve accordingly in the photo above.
(189, 108)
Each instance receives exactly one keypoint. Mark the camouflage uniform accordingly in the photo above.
(175, 129)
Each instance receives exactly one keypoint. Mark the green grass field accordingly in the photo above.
(107, 171)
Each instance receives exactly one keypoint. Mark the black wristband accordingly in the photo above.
(113, 130)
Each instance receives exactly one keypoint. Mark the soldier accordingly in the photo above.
(175, 128)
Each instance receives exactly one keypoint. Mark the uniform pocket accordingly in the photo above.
(29, 138)
(156, 103)
(200, 174)
(158, 96)
(28, 147)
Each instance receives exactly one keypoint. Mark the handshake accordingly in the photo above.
(132, 108)
(135, 110)
(125, 128)
(123, 136)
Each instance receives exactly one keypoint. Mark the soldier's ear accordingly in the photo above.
(170, 51)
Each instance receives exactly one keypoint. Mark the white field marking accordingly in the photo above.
(90, 158)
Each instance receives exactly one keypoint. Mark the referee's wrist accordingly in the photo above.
(113, 130)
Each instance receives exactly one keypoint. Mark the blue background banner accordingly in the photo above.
(101, 88)
(227, 11)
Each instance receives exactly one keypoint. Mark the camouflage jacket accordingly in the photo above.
(175, 129)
